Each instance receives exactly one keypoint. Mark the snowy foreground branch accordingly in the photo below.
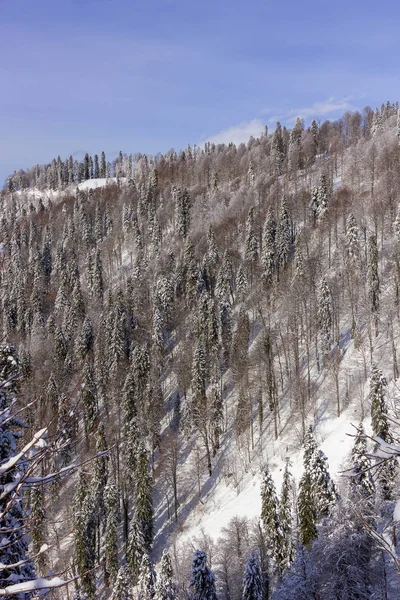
(34, 585)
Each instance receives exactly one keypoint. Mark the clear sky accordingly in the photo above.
(90, 75)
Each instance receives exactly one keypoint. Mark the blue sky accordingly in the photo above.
(91, 75)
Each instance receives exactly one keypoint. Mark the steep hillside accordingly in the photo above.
(204, 317)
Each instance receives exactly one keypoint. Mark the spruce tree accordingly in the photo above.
(122, 589)
(103, 166)
(165, 586)
(381, 429)
(251, 242)
(135, 549)
(373, 278)
(271, 521)
(84, 537)
(362, 481)
(252, 583)
(268, 248)
(39, 529)
(202, 580)
(147, 579)
(306, 510)
(111, 501)
(13, 550)
(325, 314)
(143, 506)
(283, 237)
(352, 239)
(285, 516)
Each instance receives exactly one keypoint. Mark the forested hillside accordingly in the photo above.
(191, 328)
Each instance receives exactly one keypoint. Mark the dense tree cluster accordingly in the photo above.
(201, 299)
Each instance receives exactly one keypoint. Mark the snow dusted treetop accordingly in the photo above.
(147, 579)
(165, 586)
(252, 585)
(202, 580)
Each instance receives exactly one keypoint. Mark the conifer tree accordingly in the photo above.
(84, 537)
(352, 239)
(182, 211)
(299, 582)
(373, 278)
(362, 482)
(268, 247)
(278, 152)
(38, 529)
(325, 314)
(165, 586)
(13, 550)
(147, 579)
(285, 516)
(283, 237)
(135, 549)
(202, 580)
(252, 582)
(122, 589)
(251, 241)
(96, 172)
(270, 518)
(89, 397)
(381, 429)
(379, 417)
(143, 506)
(317, 492)
(306, 510)
(103, 166)
(97, 288)
(111, 501)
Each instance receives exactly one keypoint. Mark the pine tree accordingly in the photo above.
(306, 510)
(96, 170)
(89, 397)
(103, 166)
(324, 489)
(325, 314)
(39, 529)
(323, 196)
(111, 500)
(317, 492)
(165, 586)
(379, 418)
(278, 152)
(283, 237)
(135, 549)
(252, 584)
(270, 518)
(381, 429)
(182, 211)
(84, 537)
(143, 506)
(14, 548)
(146, 580)
(97, 288)
(285, 516)
(299, 582)
(268, 248)
(202, 580)
(352, 239)
(373, 278)
(122, 589)
(362, 481)
(251, 242)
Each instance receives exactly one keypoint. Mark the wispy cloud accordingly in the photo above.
(237, 133)
(319, 109)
